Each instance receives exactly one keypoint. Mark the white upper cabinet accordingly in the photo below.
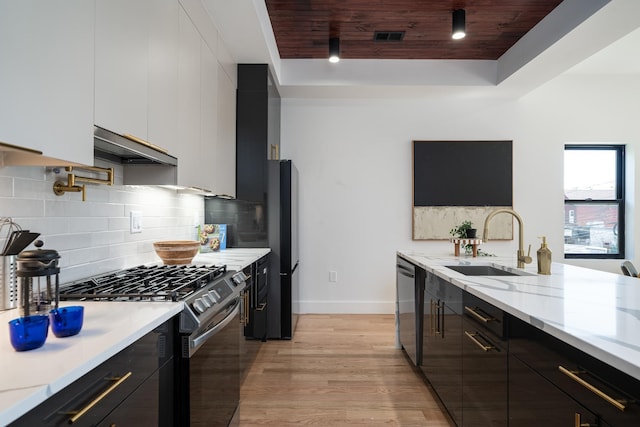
(136, 84)
(164, 36)
(208, 117)
(138, 67)
(187, 148)
(46, 77)
(122, 65)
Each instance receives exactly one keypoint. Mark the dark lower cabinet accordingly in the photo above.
(257, 289)
(535, 402)
(253, 328)
(596, 390)
(484, 365)
(442, 343)
(134, 387)
(138, 409)
(491, 369)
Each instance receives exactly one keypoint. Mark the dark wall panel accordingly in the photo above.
(246, 222)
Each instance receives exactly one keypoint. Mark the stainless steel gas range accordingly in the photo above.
(207, 370)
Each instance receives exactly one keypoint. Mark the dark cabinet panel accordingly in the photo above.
(251, 148)
(442, 342)
(257, 130)
(604, 390)
(535, 402)
(254, 327)
(139, 409)
(484, 365)
(257, 288)
(410, 288)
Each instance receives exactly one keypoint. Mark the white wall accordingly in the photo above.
(354, 158)
(93, 236)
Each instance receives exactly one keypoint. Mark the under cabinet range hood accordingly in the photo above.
(127, 150)
(142, 162)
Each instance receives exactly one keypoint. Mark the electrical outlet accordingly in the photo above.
(333, 276)
(135, 225)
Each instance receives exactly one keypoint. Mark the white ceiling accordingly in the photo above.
(580, 36)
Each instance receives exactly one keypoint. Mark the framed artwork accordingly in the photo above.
(456, 181)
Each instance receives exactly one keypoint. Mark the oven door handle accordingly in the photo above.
(195, 343)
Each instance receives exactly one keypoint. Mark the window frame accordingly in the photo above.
(619, 198)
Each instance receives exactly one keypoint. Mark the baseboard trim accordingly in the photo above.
(347, 307)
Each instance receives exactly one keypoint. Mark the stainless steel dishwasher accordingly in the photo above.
(410, 292)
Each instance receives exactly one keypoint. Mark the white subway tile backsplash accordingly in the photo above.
(93, 237)
(14, 207)
(90, 224)
(120, 223)
(36, 173)
(80, 257)
(47, 226)
(32, 189)
(6, 186)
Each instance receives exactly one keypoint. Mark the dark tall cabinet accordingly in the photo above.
(257, 130)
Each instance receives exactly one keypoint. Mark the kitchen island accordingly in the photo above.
(592, 316)
(31, 377)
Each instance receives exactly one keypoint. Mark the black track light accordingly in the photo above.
(334, 49)
(458, 24)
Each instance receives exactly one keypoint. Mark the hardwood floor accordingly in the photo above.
(338, 370)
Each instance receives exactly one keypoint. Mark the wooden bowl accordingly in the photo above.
(173, 252)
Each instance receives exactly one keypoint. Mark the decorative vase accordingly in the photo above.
(471, 233)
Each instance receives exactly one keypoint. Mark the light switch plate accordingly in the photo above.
(136, 222)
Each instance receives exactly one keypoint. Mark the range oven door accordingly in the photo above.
(209, 374)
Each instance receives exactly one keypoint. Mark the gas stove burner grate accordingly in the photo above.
(144, 283)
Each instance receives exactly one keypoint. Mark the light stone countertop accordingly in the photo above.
(28, 378)
(595, 311)
(234, 258)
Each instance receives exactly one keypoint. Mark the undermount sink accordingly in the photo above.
(485, 270)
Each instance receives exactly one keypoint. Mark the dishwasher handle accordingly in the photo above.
(405, 271)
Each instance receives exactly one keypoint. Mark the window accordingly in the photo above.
(594, 201)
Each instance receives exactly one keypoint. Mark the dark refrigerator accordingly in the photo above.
(282, 230)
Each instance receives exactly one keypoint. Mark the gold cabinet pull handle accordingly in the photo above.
(578, 421)
(262, 306)
(244, 316)
(441, 317)
(432, 320)
(435, 312)
(473, 338)
(478, 315)
(101, 396)
(573, 375)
